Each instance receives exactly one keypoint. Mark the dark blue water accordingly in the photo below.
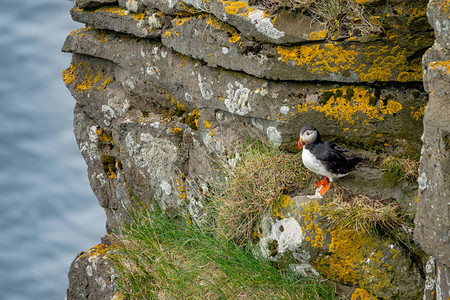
(48, 212)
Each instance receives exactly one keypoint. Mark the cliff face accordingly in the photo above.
(433, 214)
(163, 89)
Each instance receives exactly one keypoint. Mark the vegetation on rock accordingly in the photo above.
(158, 257)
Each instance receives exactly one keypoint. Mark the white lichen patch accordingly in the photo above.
(257, 124)
(206, 94)
(264, 25)
(188, 97)
(154, 22)
(115, 108)
(166, 188)
(284, 110)
(237, 101)
(89, 271)
(422, 180)
(225, 50)
(101, 179)
(287, 233)
(89, 148)
(274, 136)
(132, 5)
(304, 269)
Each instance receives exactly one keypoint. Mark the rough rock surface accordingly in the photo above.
(433, 214)
(164, 89)
(91, 275)
(380, 266)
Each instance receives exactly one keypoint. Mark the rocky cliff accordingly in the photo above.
(164, 89)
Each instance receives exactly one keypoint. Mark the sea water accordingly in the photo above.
(48, 212)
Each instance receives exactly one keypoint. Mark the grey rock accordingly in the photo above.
(296, 231)
(271, 103)
(145, 24)
(92, 3)
(92, 276)
(438, 17)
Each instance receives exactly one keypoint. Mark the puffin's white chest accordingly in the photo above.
(314, 165)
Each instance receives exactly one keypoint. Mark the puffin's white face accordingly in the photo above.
(307, 136)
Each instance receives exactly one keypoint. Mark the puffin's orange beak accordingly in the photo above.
(300, 144)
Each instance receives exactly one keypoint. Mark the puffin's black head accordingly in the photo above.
(308, 135)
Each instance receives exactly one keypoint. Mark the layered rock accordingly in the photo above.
(163, 89)
(433, 217)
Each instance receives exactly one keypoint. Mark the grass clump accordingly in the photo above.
(398, 169)
(261, 176)
(342, 17)
(368, 215)
(174, 258)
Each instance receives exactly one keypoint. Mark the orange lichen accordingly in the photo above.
(441, 65)
(417, 112)
(176, 130)
(319, 59)
(349, 103)
(311, 212)
(233, 8)
(180, 21)
(103, 136)
(385, 60)
(207, 124)
(362, 294)
(181, 186)
(355, 260)
(138, 17)
(68, 75)
(98, 250)
(113, 10)
(169, 33)
(318, 35)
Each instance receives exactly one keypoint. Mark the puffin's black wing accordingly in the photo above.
(331, 155)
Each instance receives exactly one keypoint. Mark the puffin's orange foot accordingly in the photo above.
(322, 182)
(325, 188)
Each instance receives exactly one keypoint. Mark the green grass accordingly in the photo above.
(158, 257)
(398, 169)
(261, 176)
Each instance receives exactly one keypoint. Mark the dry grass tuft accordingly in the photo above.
(398, 169)
(252, 187)
(341, 17)
(357, 212)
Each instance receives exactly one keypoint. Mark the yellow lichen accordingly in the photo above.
(318, 35)
(207, 124)
(176, 130)
(417, 112)
(98, 250)
(169, 33)
(319, 59)
(233, 8)
(181, 186)
(442, 65)
(355, 260)
(349, 103)
(138, 17)
(103, 136)
(362, 294)
(113, 10)
(311, 212)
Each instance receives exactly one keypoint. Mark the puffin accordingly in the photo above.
(324, 158)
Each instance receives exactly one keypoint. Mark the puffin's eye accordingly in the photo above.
(308, 133)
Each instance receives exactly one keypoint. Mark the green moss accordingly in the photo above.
(109, 164)
(326, 96)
